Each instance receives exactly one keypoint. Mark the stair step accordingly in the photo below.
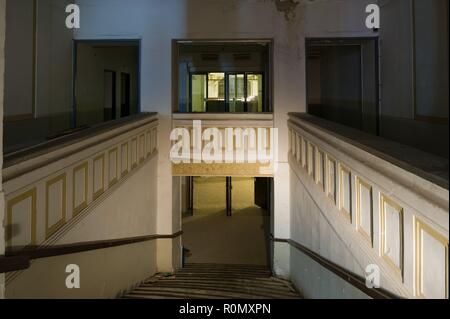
(215, 281)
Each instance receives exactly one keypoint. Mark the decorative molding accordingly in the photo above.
(112, 181)
(384, 251)
(124, 159)
(78, 208)
(97, 168)
(320, 168)
(419, 272)
(51, 229)
(331, 169)
(345, 192)
(287, 7)
(134, 152)
(141, 148)
(311, 155)
(360, 186)
(10, 225)
(99, 191)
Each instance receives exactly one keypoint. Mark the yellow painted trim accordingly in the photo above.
(386, 200)
(347, 214)
(419, 227)
(141, 149)
(330, 160)
(134, 164)
(102, 189)
(359, 185)
(111, 182)
(155, 139)
(311, 158)
(124, 172)
(50, 230)
(148, 143)
(320, 155)
(83, 205)
(11, 203)
(304, 159)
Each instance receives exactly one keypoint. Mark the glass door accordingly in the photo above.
(254, 96)
(198, 92)
(236, 92)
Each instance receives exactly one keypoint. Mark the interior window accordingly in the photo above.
(236, 92)
(216, 92)
(254, 93)
(198, 93)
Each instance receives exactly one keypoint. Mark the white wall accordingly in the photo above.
(129, 211)
(156, 23)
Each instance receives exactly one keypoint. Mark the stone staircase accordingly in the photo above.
(215, 281)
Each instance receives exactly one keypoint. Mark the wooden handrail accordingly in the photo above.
(355, 280)
(20, 260)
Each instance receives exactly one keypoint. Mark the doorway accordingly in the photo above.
(342, 81)
(226, 220)
(109, 105)
(125, 89)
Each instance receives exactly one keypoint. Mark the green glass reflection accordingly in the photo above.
(236, 92)
(198, 92)
(216, 92)
(254, 93)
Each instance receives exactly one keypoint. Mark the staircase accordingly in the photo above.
(215, 281)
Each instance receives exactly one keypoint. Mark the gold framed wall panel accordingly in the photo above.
(366, 233)
(345, 193)
(98, 192)
(311, 155)
(78, 208)
(397, 267)
(134, 152)
(320, 169)
(148, 143)
(112, 181)
(51, 229)
(331, 182)
(33, 212)
(141, 147)
(124, 159)
(419, 260)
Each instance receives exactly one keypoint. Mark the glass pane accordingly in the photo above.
(236, 92)
(198, 92)
(254, 93)
(216, 92)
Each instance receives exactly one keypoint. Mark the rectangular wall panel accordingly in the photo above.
(364, 209)
(98, 175)
(55, 204)
(345, 192)
(391, 248)
(21, 230)
(431, 264)
(80, 188)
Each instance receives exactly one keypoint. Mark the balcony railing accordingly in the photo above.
(52, 185)
(386, 202)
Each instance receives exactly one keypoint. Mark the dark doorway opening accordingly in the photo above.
(226, 220)
(109, 108)
(125, 87)
(342, 81)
